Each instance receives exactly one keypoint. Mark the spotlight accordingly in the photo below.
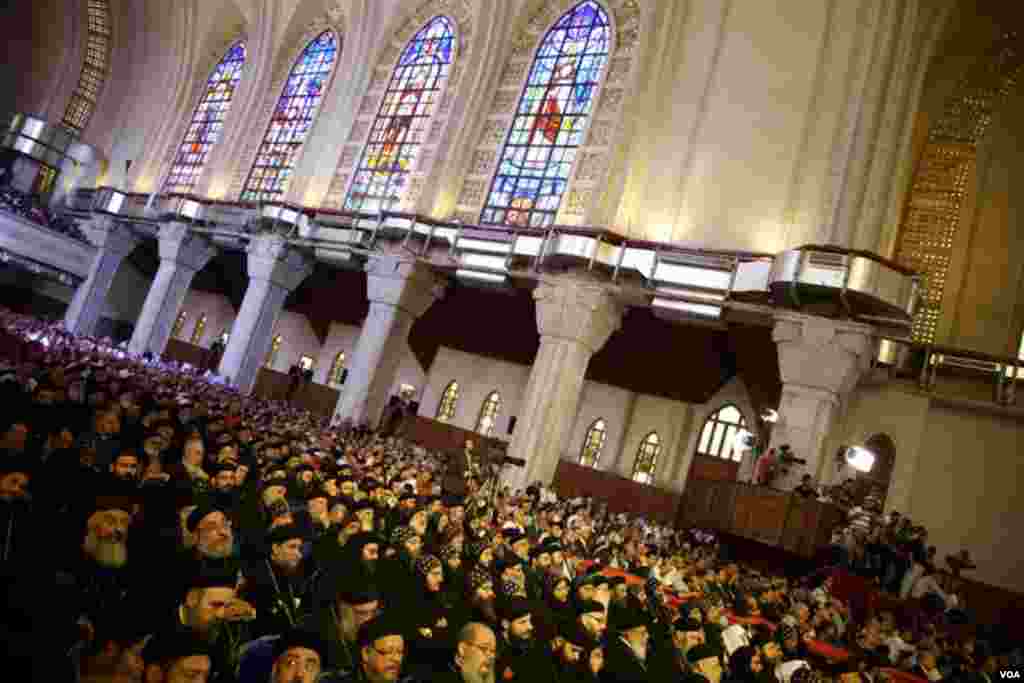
(860, 459)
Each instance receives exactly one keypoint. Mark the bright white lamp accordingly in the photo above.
(860, 459)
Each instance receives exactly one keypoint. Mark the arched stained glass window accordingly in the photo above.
(718, 436)
(179, 325)
(403, 118)
(292, 119)
(489, 414)
(446, 408)
(647, 459)
(94, 69)
(207, 122)
(593, 444)
(534, 167)
(275, 347)
(197, 331)
(337, 373)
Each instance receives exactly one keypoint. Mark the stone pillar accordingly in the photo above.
(113, 243)
(274, 271)
(575, 319)
(820, 361)
(182, 255)
(399, 293)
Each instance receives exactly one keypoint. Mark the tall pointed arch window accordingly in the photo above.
(94, 70)
(207, 122)
(275, 348)
(199, 329)
(179, 325)
(445, 409)
(593, 444)
(403, 118)
(450, 397)
(647, 459)
(292, 120)
(534, 167)
(718, 436)
(337, 373)
(489, 414)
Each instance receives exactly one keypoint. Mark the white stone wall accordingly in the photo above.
(628, 417)
(220, 315)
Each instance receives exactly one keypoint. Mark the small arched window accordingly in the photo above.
(207, 122)
(275, 347)
(337, 374)
(593, 444)
(489, 414)
(647, 459)
(179, 325)
(292, 120)
(718, 436)
(446, 408)
(197, 331)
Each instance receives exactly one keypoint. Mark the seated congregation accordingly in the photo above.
(157, 527)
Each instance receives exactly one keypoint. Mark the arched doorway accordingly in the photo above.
(877, 479)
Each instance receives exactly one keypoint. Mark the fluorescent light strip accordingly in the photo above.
(691, 275)
(483, 261)
(471, 244)
(702, 310)
(479, 275)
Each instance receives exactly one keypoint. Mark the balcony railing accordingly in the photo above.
(676, 281)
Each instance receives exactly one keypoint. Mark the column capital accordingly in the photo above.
(821, 353)
(182, 246)
(107, 234)
(576, 310)
(271, 259)
(406, 285)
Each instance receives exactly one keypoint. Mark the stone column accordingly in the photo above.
(399, 293)
(182, 255)
(820, 361)
(274, 271)
(575, 319)
(113, 243)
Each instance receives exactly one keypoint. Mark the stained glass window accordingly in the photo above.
(197, 331)
(489, 414)
(446, 408)
(593, 444)
(275, 347)
(647, 459)
(179, 325)
(207, 122)
(337, 374)
(533, 171)
(718, 437)
(292, 119)
(94, 69)
(403, 118)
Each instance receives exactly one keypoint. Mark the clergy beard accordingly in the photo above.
(478, 676)
(111, 553)
(347, 623)
(370, 566)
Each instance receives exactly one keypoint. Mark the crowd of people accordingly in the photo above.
(29, 206)
(156, 527)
